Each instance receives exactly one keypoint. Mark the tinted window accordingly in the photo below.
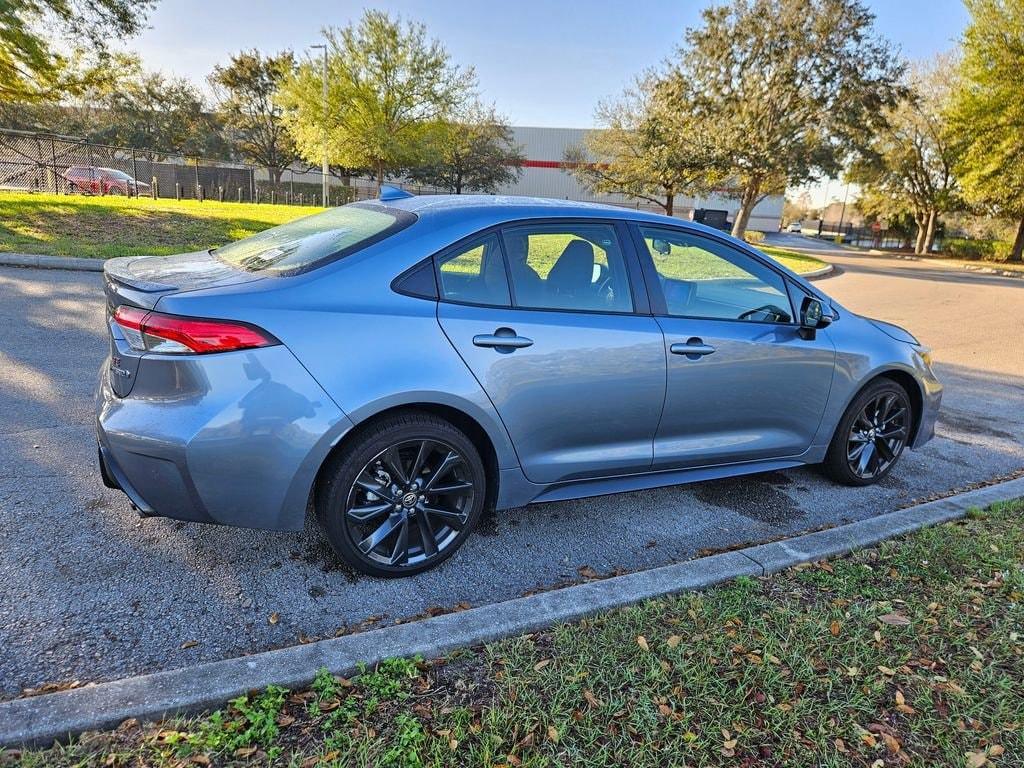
(701, 277)
(310, 240)
(567, 266)
(475, 273)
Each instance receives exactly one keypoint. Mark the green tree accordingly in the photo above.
(908, 166)
(147, 110)
(787, 87)
(387, 85)
(473, 150)
(245, 89)
(987, 113)
(35, 33)
(646, 148)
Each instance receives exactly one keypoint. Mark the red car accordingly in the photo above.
(103, 181)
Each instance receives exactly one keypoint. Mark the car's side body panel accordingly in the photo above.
(583, 400)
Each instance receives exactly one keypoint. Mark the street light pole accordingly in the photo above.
(325, 169)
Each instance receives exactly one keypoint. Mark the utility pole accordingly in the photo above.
(325, 170)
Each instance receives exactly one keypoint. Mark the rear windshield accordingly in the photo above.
(313, 240)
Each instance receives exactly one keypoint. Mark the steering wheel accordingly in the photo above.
(773, 312)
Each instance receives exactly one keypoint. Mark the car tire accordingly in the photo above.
(378, 500)
(871, 436)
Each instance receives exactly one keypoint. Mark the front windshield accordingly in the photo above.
(308, 241)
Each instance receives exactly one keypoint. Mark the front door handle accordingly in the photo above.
(693, 348)
(503, 338)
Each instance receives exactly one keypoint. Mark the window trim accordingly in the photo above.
(659, 305)
(635, 278)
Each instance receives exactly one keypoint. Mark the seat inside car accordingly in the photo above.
(573, 272)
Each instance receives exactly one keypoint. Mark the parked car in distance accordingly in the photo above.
(794, 226)
(400, 365)
(103, 181)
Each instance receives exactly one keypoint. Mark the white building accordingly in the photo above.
(543, 176)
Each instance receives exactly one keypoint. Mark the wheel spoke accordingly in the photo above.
(892, 416)
(865, 459)
(884, 450)
(856, 452)
(377, 488)
(394, 463)
(421, 458)
(446, 465)
(455, 519)
(400, 553)
(427, 535)
(442, 490)
(897, 434)
(365, 514)
(386, 528)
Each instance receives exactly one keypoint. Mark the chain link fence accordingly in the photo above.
(44, 162)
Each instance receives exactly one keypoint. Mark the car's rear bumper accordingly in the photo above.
(234, 438)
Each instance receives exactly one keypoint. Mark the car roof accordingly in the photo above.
(487, 210)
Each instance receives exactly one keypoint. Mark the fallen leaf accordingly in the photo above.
(894, 620)
(274, 617)
(285, 720)
(552, 734)
(642, 642)
(891, 742)
(665, 710)
(541, 664)
(200, 759)
(245, 751)
(189, 644)
(995, 750)
(587, 572)
(887, 671)
(592, 700)
(673, 641)
(834, 628)
(976, 759)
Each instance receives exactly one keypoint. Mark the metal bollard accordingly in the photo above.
(154, 188)
(273, 197)
(200, 193)
(239, 194)
(220, 194)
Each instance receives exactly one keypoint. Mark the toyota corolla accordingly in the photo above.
(395, 367)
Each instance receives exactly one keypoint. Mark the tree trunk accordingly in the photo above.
(921, 221)
(275, 176)
(670, 203)
(929, 236)
(1017, 252)
(747, 202)
(380, 175)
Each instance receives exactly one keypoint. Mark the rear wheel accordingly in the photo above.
(871, 435)
(403, 496)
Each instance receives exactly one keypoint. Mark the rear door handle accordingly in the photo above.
(502, 338)
(693, 349)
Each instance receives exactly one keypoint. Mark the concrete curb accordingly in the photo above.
(827, 269)
(50, 262)
(41, 719)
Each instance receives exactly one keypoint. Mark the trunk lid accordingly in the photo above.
(142, 281)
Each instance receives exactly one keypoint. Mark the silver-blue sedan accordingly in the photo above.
(395, 367)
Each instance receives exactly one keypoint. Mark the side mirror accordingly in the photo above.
(661, 246)
(812, 317)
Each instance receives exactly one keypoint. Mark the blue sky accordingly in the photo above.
(541, 63)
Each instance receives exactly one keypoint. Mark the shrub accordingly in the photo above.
(986, 250)
(753, 237)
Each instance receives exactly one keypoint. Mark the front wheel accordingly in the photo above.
(403, 496)
(871, 435)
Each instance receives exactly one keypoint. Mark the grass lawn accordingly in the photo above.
(103, 227)
(908, 654)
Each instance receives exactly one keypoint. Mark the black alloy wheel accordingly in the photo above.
(414, 488)
(871, 435)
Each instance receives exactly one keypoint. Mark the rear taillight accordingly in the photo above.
(171, 334)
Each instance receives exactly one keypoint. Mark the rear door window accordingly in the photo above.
(474, 273)
(315, 240)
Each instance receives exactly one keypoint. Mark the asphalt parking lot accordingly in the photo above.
(88, 591)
